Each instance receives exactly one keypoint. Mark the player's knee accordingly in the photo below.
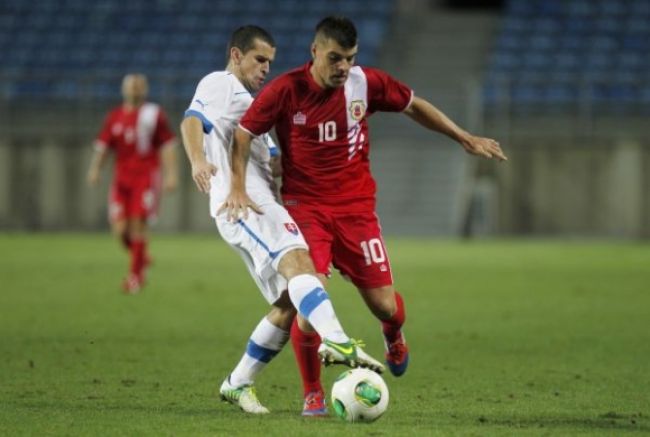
(136, 228)
(296, 262)
(381, 301)
(282, 316)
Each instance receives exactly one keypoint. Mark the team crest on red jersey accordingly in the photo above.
(291, 227)
(299, 118)
(357, 109)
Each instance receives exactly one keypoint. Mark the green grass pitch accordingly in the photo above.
(507, 338)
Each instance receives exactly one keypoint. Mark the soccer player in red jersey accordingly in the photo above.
(319, 112)
(139, 134)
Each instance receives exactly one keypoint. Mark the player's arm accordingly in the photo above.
(170, 165)
(238, 201)
(432, 118)
(276, 166)
(202, 170)
(96, 163)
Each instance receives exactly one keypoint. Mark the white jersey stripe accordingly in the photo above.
(146, 126)
(356, 103)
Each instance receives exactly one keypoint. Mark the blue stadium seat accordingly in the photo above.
(82, 39)
(565, 46)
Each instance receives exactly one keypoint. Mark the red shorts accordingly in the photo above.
(352, 242)
(139, 198)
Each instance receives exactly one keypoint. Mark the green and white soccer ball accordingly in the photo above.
(359, 395)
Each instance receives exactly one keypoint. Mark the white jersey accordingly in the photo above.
(220, 101)
(261, 239)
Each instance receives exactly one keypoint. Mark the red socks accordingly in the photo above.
(391, 327)
(305, 347)
(138, 249)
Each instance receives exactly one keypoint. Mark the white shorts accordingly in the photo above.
(262, 240)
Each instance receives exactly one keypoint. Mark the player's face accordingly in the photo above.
(332, 62)
(134, 89)
(254, 65)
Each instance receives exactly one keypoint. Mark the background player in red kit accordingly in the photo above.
(138, 133)
(319, 112)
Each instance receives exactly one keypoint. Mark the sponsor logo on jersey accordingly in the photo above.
(291, 227)
(299, 118)
(357, 109)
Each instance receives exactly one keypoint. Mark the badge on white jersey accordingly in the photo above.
(357, 109)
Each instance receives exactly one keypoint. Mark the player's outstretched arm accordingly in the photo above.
(238, 202)
(202, 170)
(432, 118)
(170, 165)
(96, 164)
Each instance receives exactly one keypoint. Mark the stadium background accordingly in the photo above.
(508, 335)
(563, 85)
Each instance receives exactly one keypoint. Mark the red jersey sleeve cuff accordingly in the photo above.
(410, 101)
(247, 130)
(100, 145)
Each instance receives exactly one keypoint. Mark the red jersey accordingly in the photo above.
(323, 133)
(136, 137)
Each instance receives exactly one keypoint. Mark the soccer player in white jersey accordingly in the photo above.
(268, 241)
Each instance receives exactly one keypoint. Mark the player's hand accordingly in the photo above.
(236, 205)
(486, 147)
(201, 173)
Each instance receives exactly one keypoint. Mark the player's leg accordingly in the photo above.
(119, 211)
(359, 252)
(269, 336)
(305, 342)
(141, 206)
(137, 232)
(388, 306)
(266, 341)
(117, 215)
(313, 304)
(304, 339)
(119, 231)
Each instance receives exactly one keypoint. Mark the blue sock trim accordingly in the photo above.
(314, 298)
(260, 353)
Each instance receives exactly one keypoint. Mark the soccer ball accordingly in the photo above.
(359, 395)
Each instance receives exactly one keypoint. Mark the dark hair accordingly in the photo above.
(340, 29)
(244, 39)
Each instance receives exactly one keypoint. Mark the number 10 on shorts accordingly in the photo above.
(373, 251)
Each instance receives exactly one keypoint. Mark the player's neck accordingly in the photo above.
(316, 78)
(230, 68)
(131, 106)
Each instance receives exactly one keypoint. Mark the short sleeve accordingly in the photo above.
(212, 97)
(263, 113)
(385, 93)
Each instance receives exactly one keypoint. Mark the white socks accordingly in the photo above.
(265, 343)
(313, 303)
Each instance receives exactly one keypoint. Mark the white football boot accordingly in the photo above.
(244, 397)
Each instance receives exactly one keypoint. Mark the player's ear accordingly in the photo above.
(313, 50)
(235, 55)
